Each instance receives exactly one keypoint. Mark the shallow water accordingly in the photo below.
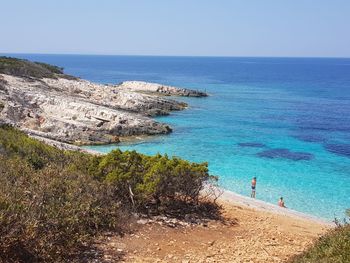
(285, 121)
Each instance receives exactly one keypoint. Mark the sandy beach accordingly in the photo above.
(252, 231)
(237, 199)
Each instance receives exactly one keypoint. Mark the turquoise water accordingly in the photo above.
(285, 121)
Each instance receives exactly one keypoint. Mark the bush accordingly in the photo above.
(25, 68)
(47, 214)
(14, 143)
(53, 202)
(334, 247)
(140, 180)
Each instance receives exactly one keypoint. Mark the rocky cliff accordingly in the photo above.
(42, 100)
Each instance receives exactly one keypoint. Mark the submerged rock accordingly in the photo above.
(339, 149)
(285, 154)
(252, 144)
(310, 137)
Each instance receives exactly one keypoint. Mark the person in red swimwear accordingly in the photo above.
(252, 195)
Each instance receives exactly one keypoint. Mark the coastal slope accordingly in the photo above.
(40, 99)
(245, 235)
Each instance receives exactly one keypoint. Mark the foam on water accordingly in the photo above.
(285, 121)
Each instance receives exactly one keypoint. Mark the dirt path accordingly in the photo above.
(247, 235)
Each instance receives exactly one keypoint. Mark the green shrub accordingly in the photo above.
(38, 154)
(52, 201)
(140, 179)
(50, 68)
(24, 68)
(47, 214)
(334, 247)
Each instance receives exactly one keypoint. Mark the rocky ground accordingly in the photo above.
(78, 111)
(159, 88)
(245, 235)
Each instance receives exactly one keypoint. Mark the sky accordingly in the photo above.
(281, 28)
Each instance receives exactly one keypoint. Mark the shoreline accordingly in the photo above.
(233, 198)
(227, 196)
(245, 235)
(81, 112)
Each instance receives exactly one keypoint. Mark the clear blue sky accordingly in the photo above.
(177, 27)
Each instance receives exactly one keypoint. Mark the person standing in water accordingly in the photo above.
(252, 195)
(281, 203)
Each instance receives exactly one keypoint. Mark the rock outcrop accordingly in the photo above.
(79, 111)
(147, 87)
(110, 96)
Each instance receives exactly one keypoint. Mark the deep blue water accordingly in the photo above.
(284, 120)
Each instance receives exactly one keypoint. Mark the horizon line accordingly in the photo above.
(190, 56)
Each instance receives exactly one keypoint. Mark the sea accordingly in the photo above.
(285, 121)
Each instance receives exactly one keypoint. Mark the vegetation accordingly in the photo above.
(334, 247)
(25, 68)
(53, 202)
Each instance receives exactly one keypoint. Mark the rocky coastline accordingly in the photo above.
(141, 86)
(75, 111)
